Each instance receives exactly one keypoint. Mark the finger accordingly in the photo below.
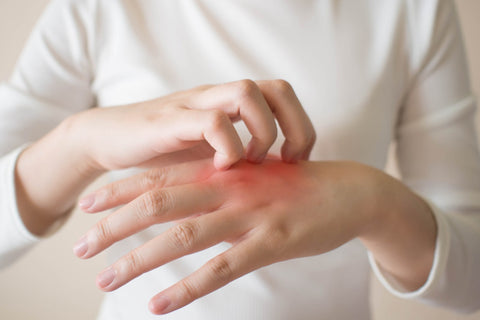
(153, 207)
(306, 154)
(187, 237)
(237, 261)
(292, 118)
(123, 191)
(243, 99)
(213, 126)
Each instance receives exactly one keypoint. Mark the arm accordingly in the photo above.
(416, 247)
(184, 125)
(315, 207)
(422, 234)
(49, 92)
(35, 100)
(439, 159)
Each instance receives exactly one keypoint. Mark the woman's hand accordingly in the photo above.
(183, 126)
(269, 212)
(193, 124)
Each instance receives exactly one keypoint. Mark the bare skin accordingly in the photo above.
(183, 126)
(269, 212)
(338, 201)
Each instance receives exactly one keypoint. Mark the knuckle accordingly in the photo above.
(133, 262)
(276, 238)
(221, 269)
(246, 89)
(218, 120)
(282, 86)
(301, 142)
(153, 204)
(302, 139)
(184, 235)
(189, 292)
(147, 204)
(155, 178)
(111, 191)
(103, 232)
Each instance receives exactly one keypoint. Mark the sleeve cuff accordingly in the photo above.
(442, 247)
(15, 238)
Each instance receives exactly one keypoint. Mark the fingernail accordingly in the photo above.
(81, 247)
(159, 304)
(87, 202)
(105, 278)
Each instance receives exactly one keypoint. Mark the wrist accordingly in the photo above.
(370, 198)
(73, 137)
(378, 206)
(401, 234)
(49, 176)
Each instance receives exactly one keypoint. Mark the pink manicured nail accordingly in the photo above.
(159, 304)
(105, 278)
(87, 202)
(81, 247)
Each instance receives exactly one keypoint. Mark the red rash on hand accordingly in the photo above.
(271, 181)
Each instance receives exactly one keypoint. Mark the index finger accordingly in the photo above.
(123, 191)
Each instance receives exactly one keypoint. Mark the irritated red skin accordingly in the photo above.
(269, 181)
(303, 209)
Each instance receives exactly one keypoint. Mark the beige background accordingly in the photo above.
(49, 283)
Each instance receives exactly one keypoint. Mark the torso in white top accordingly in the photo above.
(347, 77)
(367, 72)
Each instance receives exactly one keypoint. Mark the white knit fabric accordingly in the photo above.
(367, 72)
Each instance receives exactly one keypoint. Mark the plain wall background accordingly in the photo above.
(50, 283)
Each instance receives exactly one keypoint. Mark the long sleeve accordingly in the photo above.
(51, 81)
(14, 237)
(438, 157)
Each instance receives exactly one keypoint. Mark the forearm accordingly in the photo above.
(401, 236)
(50, 175)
